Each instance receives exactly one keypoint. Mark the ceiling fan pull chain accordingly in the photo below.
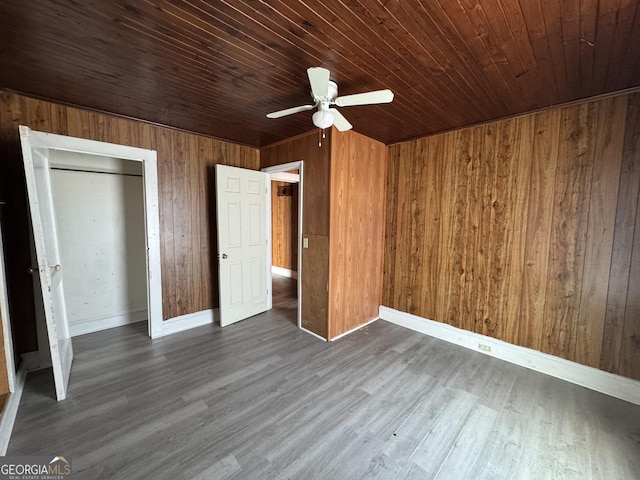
(321, 136)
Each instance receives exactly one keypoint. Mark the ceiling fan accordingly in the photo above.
(325, 94)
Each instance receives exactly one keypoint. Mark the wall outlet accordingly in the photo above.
(305, 242)
(484, 348)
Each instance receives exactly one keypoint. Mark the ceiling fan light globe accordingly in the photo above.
(323, 119)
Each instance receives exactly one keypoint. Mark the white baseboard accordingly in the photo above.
(285, 272)
(354, 329)
(91, 325)
(185, 322)
(36, 361)
(313, 334)
(10, 410)
(615, 385)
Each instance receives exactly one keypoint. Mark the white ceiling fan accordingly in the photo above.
(325, 94)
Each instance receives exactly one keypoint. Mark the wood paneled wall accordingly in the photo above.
(356, 248)
(315, 220)
(343, 220)
(525, 230)
(315, 285)
(186, 189)
(284, 226)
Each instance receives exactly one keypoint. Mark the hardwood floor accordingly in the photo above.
(285, 296)
(262, 400)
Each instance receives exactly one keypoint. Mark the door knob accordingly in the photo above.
(56, 267)
(224, 256)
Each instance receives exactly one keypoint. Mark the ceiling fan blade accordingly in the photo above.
(319, 81)
(367, 98)
(339, 121)
(290, 111)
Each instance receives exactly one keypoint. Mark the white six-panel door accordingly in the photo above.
(242, 242)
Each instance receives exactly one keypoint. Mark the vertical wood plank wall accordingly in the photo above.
(284, 226)
(315, 220)
(356, 247)
(186, 190)
(525, 230)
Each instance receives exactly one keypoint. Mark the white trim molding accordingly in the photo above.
(91, 325)
(102, 152)
(186, 322)
(604, 382)
(313, 334)
(344, 334)
(285, 272)
(5, 321)
(10, 410)
(285, 177)
(285, 167)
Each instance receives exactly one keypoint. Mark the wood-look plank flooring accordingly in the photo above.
(263, 400)
(285, 296)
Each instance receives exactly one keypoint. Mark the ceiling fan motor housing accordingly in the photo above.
(333, 91)
(332, 94)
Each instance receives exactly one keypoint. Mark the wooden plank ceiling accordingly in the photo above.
(217, 67)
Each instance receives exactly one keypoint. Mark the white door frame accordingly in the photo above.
(101, 150)
(286, 167)
(6, 323)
